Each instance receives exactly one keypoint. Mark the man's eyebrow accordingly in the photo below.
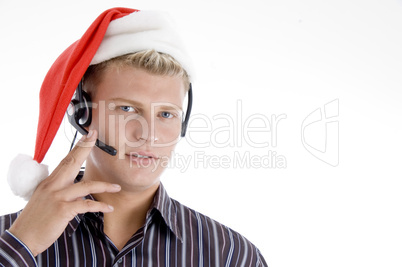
(129, 101)
(166, 106)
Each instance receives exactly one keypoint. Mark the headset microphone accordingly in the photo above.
(79, 114)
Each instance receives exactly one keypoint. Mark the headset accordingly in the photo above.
(79, 113)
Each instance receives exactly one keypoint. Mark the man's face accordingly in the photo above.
(140, 115)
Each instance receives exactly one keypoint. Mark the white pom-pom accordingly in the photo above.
(25, 174)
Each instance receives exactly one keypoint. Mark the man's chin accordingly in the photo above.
(136, 186)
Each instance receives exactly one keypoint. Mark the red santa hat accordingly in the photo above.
(116, 32)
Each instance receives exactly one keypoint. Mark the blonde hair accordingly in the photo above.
(149, 60)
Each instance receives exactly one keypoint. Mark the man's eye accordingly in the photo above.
(127, 109)
(166, 115)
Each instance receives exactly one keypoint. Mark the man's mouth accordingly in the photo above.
(142, 155)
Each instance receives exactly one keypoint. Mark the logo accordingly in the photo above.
(320, 133)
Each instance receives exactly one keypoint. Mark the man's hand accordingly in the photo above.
(57, 200)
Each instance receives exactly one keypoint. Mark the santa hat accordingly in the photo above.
(116, 32)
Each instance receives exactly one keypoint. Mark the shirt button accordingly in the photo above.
(120, 260)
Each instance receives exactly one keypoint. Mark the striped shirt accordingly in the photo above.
(173, 235)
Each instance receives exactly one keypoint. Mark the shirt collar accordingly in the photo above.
(168, 210)
(74, 223)
(162, 203)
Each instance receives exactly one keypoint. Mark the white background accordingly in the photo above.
(275, 57)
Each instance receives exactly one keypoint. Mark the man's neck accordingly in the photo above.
(130, 210)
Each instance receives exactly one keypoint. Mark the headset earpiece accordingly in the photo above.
(79, 114)
(85, 110)
(79, 111)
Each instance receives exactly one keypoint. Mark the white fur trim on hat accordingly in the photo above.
(143, 30)
(25, 174)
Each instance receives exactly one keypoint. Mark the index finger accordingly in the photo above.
(69, 167)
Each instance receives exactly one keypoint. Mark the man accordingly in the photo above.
(131, 76)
